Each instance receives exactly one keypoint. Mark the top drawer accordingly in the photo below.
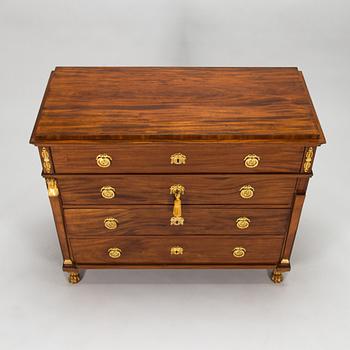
(177, 158)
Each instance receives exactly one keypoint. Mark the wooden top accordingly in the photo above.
(168, 103)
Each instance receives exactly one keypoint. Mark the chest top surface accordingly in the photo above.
(99, 104)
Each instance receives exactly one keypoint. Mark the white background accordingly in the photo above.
(170, 309)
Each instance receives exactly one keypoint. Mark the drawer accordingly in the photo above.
(155, 220)
(176, 250)
(199, 189)
(168, 158)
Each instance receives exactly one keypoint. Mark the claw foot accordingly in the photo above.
(277, 276)
(74, 277)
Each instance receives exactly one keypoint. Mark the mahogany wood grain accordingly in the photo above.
(292, 230)
(57, 212)
(155, 158)
(302, 184)
(312, 109)
(156, 250)
(155, 220)
(154, 189)
(152, 103)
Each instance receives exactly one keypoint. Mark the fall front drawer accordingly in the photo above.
(155, 220)
(176, 250)
(177, 158)
(198, 189)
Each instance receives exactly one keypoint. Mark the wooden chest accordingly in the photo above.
(176, 167)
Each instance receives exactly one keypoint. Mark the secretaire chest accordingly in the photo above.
(176, 167)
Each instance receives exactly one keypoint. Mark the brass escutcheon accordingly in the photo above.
(176, 250)
(177, 221)
(177, 159)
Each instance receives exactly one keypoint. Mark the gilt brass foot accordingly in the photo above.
(74, 277)
(277, 276)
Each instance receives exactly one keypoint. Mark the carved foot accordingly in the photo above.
(277, 276)
(74, 277)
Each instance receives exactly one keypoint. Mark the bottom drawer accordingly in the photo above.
(177, 250)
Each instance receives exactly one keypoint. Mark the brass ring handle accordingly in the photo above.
(239, 252)
(177, 191)
(176, 250)
(111, 223)
(243, 222)
(177, 159)
(104, 160)
(108, 192)
(251, 160)
(114, 253)
(247, 191)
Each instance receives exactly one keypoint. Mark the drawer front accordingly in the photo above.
(199, 189)
(177, 158)
(176, 250)
(155, 220)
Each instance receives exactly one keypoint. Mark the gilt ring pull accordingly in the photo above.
(243, 223)
(246, 191)
(114, 253)
(239, 252)
(111, 223)
(103, 160)
(108, 192)
(251, 160)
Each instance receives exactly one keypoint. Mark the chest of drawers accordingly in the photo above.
(176, 167)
